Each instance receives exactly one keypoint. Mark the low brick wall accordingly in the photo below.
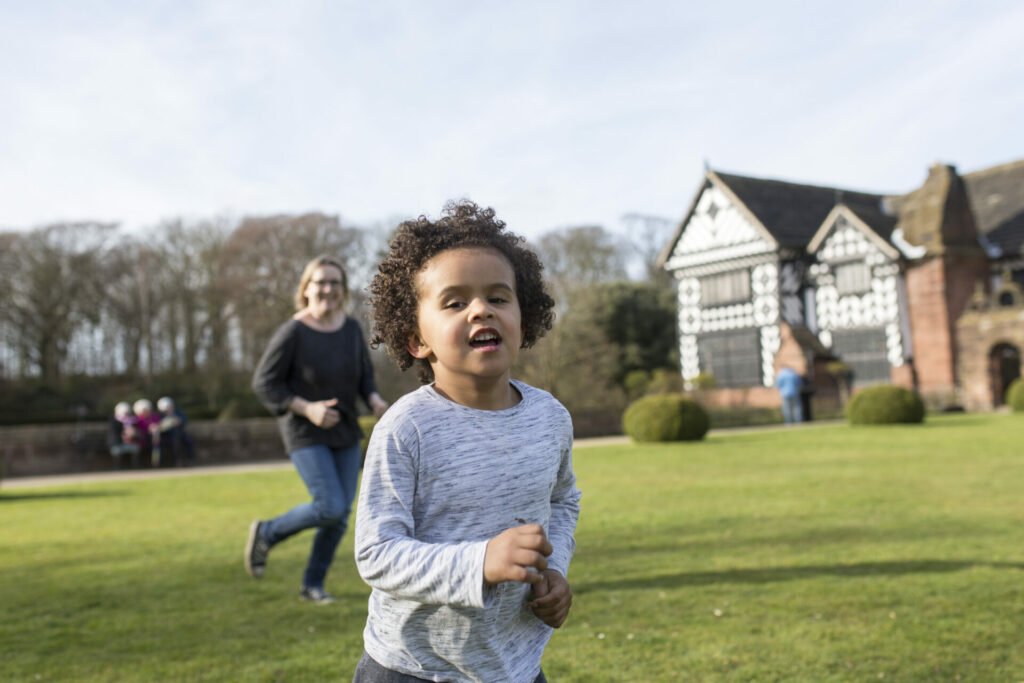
(36, 450)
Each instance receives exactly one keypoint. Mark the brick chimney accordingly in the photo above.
(938, 217)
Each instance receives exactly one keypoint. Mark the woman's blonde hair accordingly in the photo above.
(307, 274)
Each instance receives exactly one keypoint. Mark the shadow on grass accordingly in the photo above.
(58, 495)
(777, 574)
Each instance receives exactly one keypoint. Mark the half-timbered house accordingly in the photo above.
(773, 273)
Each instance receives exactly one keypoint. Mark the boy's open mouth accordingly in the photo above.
(485, 339)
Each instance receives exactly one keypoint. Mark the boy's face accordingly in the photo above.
(469, 319)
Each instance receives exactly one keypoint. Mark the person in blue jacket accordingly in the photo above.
(789, 384)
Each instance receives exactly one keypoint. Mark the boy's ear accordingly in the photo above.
(417, 348)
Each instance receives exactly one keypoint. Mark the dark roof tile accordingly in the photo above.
(997, 199)
(792, 212)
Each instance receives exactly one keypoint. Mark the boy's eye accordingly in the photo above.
(454, 304)
(498, 300)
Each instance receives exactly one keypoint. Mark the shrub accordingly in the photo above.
(704, 380)
(885, 404)
(636, 382)
(1015, 395)
(665, 381)
(665, 417)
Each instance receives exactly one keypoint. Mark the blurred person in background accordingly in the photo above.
(149, 431)
(123, 436)
(314, 368)
(176, 446)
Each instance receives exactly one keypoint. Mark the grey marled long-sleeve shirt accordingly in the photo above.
(441, 479)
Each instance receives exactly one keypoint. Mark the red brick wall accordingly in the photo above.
(939, 291)
(930, 326)
(754, 397)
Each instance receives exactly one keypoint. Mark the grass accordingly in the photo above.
(827, 553)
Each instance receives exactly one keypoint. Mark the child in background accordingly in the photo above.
(469, 502)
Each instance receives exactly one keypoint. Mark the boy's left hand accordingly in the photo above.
(552, 598)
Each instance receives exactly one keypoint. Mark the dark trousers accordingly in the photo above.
(369, 671)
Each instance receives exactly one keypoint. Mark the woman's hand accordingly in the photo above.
(377, 404)
(322, 413)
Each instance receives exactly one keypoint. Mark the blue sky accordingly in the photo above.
(555, 113)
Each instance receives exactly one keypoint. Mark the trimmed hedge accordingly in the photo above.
(1015, 395)
(665, 417)
(885, 404)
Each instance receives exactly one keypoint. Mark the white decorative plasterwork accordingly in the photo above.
(878, 307)
(689, 305)
(728, 317)
(845, 243)
(765, 285)
(688, 356)
(716, 231)
(703, 269)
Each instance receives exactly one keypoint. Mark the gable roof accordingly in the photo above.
(881, 241)
(793, 212)
(997, 200)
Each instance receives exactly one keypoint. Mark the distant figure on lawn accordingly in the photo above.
(313, 369)
(790, 384)
(176, 446)
(123, 436)
(469, 503)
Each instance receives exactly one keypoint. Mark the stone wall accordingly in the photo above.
(979, 332)
(36, 450)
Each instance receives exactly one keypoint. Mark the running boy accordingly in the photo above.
(468, 502)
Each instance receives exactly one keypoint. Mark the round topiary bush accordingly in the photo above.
(1015, 395)
(885, 404)
(665, 417)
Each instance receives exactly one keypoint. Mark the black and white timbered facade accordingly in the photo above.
(757, 261)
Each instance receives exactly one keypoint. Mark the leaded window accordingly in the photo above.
(725, 288)
(733, 357)
(864, 351)
(853, 278)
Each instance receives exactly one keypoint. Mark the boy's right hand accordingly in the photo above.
(512, 554)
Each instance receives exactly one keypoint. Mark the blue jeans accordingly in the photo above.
(369, 671)
(792, 409)
(330, 476)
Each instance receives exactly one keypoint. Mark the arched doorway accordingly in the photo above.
(1003, 368)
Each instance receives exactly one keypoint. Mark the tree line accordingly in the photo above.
(92, 314)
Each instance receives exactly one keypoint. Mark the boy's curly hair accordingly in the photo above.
(462, 225)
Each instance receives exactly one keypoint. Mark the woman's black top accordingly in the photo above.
(317, 366)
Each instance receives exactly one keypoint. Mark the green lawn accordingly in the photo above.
(826, 553)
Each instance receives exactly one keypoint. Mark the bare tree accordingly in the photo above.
(196, 294)
(647, 236)
(52, 279)
(263, 260)
(576, 258)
